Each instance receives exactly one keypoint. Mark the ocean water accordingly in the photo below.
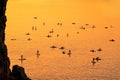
(52, 64)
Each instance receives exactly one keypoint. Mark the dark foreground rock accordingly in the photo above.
(18, 72)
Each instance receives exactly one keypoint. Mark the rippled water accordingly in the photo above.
(53, 65)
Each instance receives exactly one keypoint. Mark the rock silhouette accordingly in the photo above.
(4, 59)
(19, 73)
(5, 72)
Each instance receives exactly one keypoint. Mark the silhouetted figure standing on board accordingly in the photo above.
(43, 23)
(35, 28)
(60, 24)
(57, 35)
(93, 61)
(38, 54)
(32, 27)
(67, 35)
(77, 32)
(22, 59)
(52, 31)
(69, 53)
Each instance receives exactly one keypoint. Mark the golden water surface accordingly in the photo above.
(76, 34)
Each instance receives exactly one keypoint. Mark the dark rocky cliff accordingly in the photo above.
(5, 72)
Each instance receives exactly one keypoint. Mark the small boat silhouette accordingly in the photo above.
(94, 60)
(29, 39)
(27, 34)
(99, 49)
(48, 36)
(86, 24)
(62, 48)
(73, 23)
(112, 40)
(63, 52)
(83, 28)
(59, 24)
(35, 17)
(13, 39)
(92, 50)
(93, 26)
(53, 46)
(97, 58)
(106, 27)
